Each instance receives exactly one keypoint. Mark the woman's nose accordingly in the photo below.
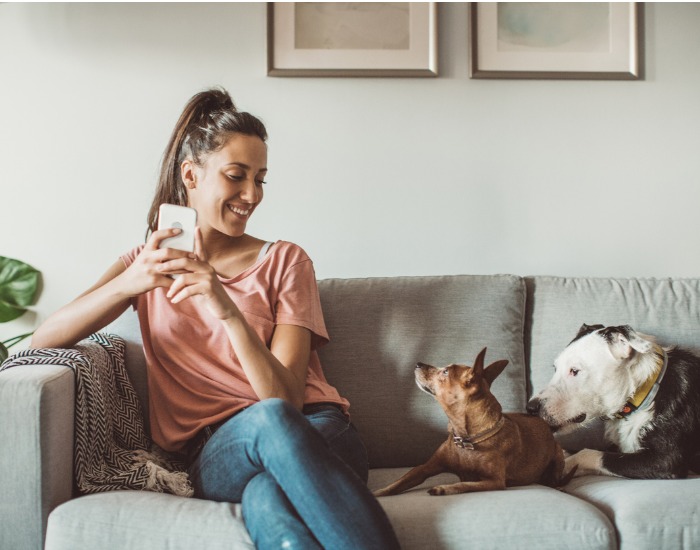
(250, 191)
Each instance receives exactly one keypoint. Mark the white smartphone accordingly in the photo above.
(181, 217)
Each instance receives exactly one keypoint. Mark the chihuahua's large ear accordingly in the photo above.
(494, 369)
(478, 368)
(623, 340)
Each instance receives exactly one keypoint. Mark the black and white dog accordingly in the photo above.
(648, 396)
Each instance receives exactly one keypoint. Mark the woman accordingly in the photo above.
(235, 383)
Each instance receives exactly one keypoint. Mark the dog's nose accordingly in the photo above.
(533, 406)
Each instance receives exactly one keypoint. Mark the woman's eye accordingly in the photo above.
(235, 177)
(260, 182)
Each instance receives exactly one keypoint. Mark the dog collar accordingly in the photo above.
(646, 393)
(468, 441)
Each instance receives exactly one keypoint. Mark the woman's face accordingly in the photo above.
(227, 187)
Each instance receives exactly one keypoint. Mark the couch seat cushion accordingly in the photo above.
(142, 520)
(517, 518)
(648, 513)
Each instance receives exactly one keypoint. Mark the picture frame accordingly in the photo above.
(547, 40)
(352, 39)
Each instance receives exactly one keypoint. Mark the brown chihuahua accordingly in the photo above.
(487, 449)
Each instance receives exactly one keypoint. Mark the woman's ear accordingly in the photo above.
(188, 174)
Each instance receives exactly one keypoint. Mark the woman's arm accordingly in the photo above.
(276, 372)
(88, 313)
(109, 297)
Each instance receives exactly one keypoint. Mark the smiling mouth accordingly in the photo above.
(239, 211)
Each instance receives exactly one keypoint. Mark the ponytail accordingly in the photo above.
(208, 120)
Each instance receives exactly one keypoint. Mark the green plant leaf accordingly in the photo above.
(19, 288)
(3, 352)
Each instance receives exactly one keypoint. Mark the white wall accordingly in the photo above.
(373, 177)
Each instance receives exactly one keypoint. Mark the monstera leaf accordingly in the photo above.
(19, 285)
(19, 288)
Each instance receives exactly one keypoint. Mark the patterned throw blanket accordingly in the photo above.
(112, 450)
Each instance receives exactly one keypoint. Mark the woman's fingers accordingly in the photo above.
(185, 286)
(199, 249)
(201, 287)
(178, 264)
(157, 237)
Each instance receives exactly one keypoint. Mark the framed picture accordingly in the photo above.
(352, 38)
(577, 40)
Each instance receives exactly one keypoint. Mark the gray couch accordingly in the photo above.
(379, 329)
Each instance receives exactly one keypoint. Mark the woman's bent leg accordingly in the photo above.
(328, 496)
(270, 518)
(341, 435)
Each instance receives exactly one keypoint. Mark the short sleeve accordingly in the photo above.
(298, 302)
(130, 256)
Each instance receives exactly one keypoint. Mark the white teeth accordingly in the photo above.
(239, 211)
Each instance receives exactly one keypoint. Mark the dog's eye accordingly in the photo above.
(445, 371)
(573, 372)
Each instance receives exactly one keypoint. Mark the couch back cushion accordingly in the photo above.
(381, 327)
(557, 306)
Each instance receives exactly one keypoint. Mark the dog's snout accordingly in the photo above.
(533, 406)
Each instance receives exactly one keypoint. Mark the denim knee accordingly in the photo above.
(262, 495)
(271, 519)
(273, 413)
(279, 425)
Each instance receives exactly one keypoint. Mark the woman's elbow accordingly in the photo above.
(43, 338)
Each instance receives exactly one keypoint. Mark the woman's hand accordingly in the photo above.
(198, 279)
(153, 265)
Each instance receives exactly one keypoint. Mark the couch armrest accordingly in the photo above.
(36, 450)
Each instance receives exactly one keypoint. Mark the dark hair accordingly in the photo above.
(208, 120)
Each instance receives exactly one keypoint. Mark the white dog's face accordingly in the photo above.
(591, 378)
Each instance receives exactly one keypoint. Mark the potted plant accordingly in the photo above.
(20, 286)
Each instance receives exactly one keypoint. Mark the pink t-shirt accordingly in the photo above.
(194, 376)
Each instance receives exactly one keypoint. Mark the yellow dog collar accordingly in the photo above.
(645, 394)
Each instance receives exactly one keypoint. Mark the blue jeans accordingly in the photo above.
(300, 478)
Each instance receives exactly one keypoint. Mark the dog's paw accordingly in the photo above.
(438, 490)
(587, 461)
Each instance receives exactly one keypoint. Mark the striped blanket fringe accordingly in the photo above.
(112, 450)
